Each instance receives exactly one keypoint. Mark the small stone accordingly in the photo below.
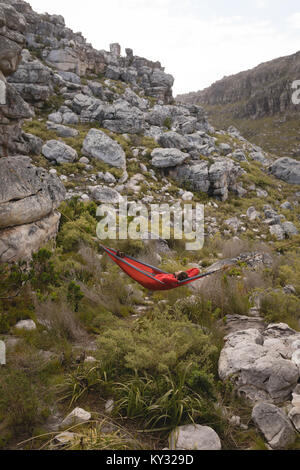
(77, 416)
(109, 406)
(65, 437)
(26, 325)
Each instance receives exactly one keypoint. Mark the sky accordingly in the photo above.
(197, 41)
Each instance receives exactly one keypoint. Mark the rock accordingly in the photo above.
(70, 118)
(26, 325)
(287, 169)
(253, 214)
(77, 416)
(70, 77)
(286, 206)
(55, 117)
(289, 229)
(100, 146)
(65, 438)
(84, 161)
(19, 243)
(134, 100)
(236, 323)
(194, 437)
(90, 360)
(27, 193)
(105, 195)
(109, 178)
(187, 196)
(260, 158)
(260, 362)
(62, 131)
(261, 193)
(32, 145)
(109, 406)
(239, 155)
(96, 88)
(274, 424)
(235, 421)
(289, 289)
(166, 158)
(296, 358)
(13, 108)
(33, 80)
(277, 231)
(28, 199)
(294, 416)
(173, 140)
(234, 223)
(225, 148)
(59, 152)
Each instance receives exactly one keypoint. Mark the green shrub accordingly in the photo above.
(278, 307)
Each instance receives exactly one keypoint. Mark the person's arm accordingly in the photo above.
(193, 272)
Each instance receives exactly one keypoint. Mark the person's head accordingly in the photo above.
(181, 276)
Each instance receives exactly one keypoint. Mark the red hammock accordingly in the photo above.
(145, 274)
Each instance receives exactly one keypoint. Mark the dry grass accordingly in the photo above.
(60, 320)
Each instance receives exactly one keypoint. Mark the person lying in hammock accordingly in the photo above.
(174, 279)
(171, 280)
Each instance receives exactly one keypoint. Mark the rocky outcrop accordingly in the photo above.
(215, 179)
(33, 80)
(28, 199)
(49, 38)
(12, 107)
(261, 363)
(262, 91)
(286, 169)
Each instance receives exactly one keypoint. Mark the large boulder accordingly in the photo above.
(194, 437)
(274, 424)
(28, 199)
(105, 195)
(59, 152)
(99, 145)
(261, 362)
(27, 193)
(166, 158)
(19, 243)
(286, 169)
(174, 140)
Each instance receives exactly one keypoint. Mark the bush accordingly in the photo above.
(154, 345)
(19, 402)
(279, 307)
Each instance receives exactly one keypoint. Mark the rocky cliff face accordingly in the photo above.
(259, 103)
(67, 52)
(262, 91)
(12, 107)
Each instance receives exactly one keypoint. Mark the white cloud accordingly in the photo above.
(197, 50)
(294, 20)
(261, 3)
